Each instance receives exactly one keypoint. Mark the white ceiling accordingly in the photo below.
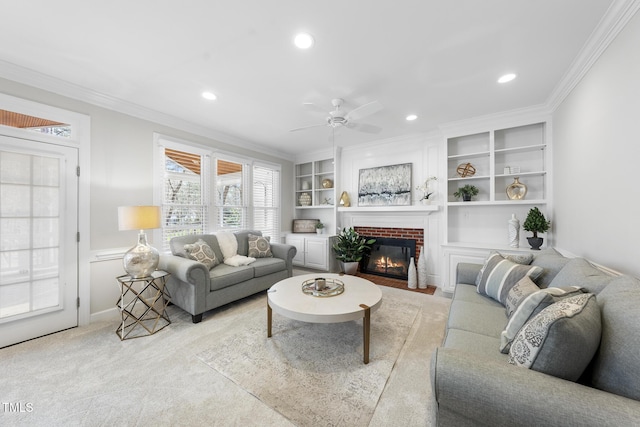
(437, 59)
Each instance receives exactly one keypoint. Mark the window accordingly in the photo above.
(245, 193)
(231, 202)
(185, 189)
(266, 201)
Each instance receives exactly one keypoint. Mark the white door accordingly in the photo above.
(38, 243)
(316, 253)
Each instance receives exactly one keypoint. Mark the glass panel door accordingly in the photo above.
(38, 250)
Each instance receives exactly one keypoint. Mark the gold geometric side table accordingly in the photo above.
(142, 305)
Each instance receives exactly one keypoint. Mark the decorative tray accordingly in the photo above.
(321, 287)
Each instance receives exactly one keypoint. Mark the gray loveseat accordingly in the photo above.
(474, 384)
(196, 289)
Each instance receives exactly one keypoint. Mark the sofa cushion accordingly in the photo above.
(551, 262)
(479, 345)
(478, 318)
(200, 251)
(530, 307)
(224, 275)
(616, 367)
(265, 266)
(499, 275)
(259, 247)
(561, 340)
(518, 293)
(579, 272)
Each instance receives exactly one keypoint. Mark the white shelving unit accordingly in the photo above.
(474, 228)
(316, 179)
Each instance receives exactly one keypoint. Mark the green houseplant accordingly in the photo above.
(535, 223)
(319, 227)
(466, 192)
(350, 247)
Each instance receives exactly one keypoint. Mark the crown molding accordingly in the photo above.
(502, 119)
(48, 83)
(612, 23)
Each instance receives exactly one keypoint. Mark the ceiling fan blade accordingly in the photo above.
(363, 127)
(307, 127)
(365, 110)
(310, 106)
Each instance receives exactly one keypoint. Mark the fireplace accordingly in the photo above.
(389, 257)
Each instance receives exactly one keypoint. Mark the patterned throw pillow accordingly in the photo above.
(499, 275)
(561, 340)
(530, 307)
(200, 251)
(524, 259)
(259, 247)
(518, 293)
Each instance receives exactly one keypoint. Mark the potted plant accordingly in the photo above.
(426, 191)
(319, 227)
(466, 192)
(350, 247)
(535, 223)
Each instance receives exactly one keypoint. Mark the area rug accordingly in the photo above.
(313, 374)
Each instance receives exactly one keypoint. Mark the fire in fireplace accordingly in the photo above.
(389, 257)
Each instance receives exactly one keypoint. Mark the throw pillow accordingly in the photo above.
(561, 340)
(518, 293)
(228, 244)
(524, 259)
(499, 275)
(201, 252)
(530, 307)
(259, 247)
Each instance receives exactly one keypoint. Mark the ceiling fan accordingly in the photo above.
(340, 118)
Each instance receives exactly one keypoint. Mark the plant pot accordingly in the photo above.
(466, 197)
(535, 242)
(319, 230)
(350, 268)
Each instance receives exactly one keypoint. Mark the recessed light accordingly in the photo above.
(411, 117)
(209, 95)
(303, 40)
(506, 78)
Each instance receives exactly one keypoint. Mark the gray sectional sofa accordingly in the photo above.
(474, 383)
(197, 289)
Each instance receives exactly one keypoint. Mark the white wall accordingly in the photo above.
(596, 137)
(122, 174)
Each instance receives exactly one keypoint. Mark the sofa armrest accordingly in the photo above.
(185, 270)
(495, 393)
(285, 252)
(467, 272)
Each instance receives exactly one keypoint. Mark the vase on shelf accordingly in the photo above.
(514, 231)
(412, 281)
(516, 190)
(305, 199)
(422, 268)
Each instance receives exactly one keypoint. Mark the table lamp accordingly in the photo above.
(141, 260)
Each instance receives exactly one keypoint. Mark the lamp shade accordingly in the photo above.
(138, 217)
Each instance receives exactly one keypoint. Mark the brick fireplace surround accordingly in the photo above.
(398, 233)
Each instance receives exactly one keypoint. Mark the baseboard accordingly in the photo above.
(111, 314)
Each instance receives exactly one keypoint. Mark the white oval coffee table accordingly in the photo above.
(359, 299)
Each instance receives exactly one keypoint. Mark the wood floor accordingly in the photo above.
(394, 283)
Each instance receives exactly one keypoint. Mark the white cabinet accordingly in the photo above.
(313, 250)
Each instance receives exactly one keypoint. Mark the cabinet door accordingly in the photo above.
(316, 253)
(298, 242)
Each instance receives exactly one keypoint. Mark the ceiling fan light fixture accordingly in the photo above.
(303, 40)
(210, 96)
(507, 78)
(411, 117)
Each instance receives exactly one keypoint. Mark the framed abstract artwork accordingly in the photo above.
(385, 186)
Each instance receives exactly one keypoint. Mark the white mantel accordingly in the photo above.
(387, 216)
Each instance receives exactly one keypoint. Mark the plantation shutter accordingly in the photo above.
(185, 193)
(266, 201)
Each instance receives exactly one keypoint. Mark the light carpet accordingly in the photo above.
(313, 374)
(87, 376)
